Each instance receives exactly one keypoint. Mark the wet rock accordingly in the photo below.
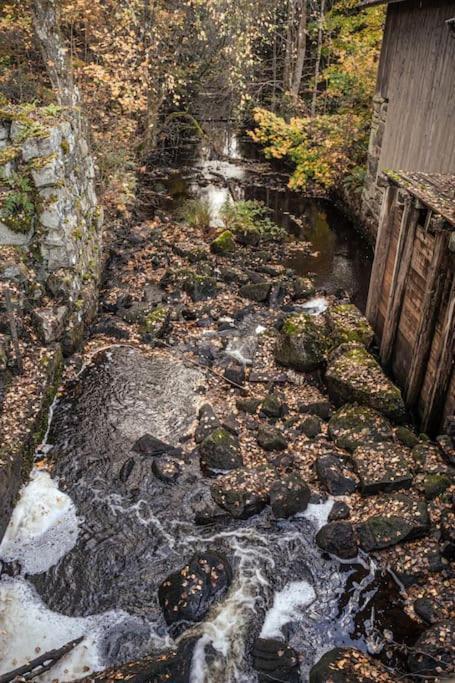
(220, 452)
(354, 376)
(354, 425)
(49, 322)
(235, 373)
(248, 405)
(347, 324)
(289, 495)
(338, 538)
(432, 655)
(207, 512)
(187, 595)
(272, 407)
(435, 484)
(151, 447)
(275, 661)
(167, 469)
(311, 426)
(271, 439)
(426, 610)
(256, 292)
(347, 665)
(303, 342)
(334, 476)
(208, 423)
(404, 519)
(382, 467)
(406, 437)
(339, 511)
(245, 492)
(223, 244)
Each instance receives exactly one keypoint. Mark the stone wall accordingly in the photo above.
(374, 187)
(50, 214)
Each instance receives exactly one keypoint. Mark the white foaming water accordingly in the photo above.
(29, 629)
(316, 306)
(318, 513)
(287, 607)
(43, 526)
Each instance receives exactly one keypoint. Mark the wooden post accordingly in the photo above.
(430, 307)
(432, 415)
(381, 252)
(401, 266)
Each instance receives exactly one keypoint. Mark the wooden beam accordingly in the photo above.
(434, 407)
(401, 267)
(428, 316)
(381, 252)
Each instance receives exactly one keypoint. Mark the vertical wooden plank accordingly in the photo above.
(433, 412)
(381, 252)
(401, 267)
(428, 317)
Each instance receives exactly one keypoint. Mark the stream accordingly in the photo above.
(95, 532)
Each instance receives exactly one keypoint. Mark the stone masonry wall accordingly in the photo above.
(374, 187)
(50, 214)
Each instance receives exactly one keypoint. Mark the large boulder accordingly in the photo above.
(354, 376)
(354, 425)
(347, 324)
(289, 496)
(382, 467)
(220, 452)
(333, 474)
(275, 661)
(338, 538)
(303, 342)
(187, 595)
(347, 665)
(403, 519)
(244, 492)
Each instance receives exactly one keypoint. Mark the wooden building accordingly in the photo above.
(409, 204)
(414, 106)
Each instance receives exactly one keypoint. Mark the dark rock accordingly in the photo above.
(435, 484)
(303, 342)
(317, 406)
(229, 422)
(339, 511)
(167, 469)
(334, 476)
(150, 446)
(208, 423)
(110, 330)
(354, 376)
(432, 655)
(338, 538)
(347, 665)
(302, 288)
(199, 287)
(405, 520)
(426, 610)
(235, 373)
(248, 405)
(137, 312)
(406, 437)
(447, 525)
(245, 492)
(126, 469)
(231, 275)
(187, 595)
(49, 322)
(220, 452)
(275, 661)
(256, 292)
(424, 454)
(289, 496)
(436, 562)
(446, 444)
(271, 439)
(272, 407)
(310, 426)
(354, 425)
(249, 238)
(382, 467)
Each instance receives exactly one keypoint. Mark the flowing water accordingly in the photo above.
(87, 548)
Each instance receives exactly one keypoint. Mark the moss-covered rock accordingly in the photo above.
(435, 484)
(354, 376)
(220, 452)
(347, 324)
(223, 244)
(382, 467)
(303, 343)
(404, 519)
(406, 437)
(354, 425)
(199, 286)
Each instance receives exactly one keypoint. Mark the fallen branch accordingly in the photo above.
(41, 664)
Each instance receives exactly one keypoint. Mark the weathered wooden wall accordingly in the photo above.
(417, 77)
(412, 297)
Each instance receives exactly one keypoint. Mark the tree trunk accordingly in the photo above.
(46, 22)
(318, 59)
(300, 50)
(289, 56)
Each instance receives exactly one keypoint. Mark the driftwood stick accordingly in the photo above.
(41, 664)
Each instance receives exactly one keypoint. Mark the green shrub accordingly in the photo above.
(250, 216)
(198, 213)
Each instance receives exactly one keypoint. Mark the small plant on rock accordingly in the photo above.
(250, 217)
